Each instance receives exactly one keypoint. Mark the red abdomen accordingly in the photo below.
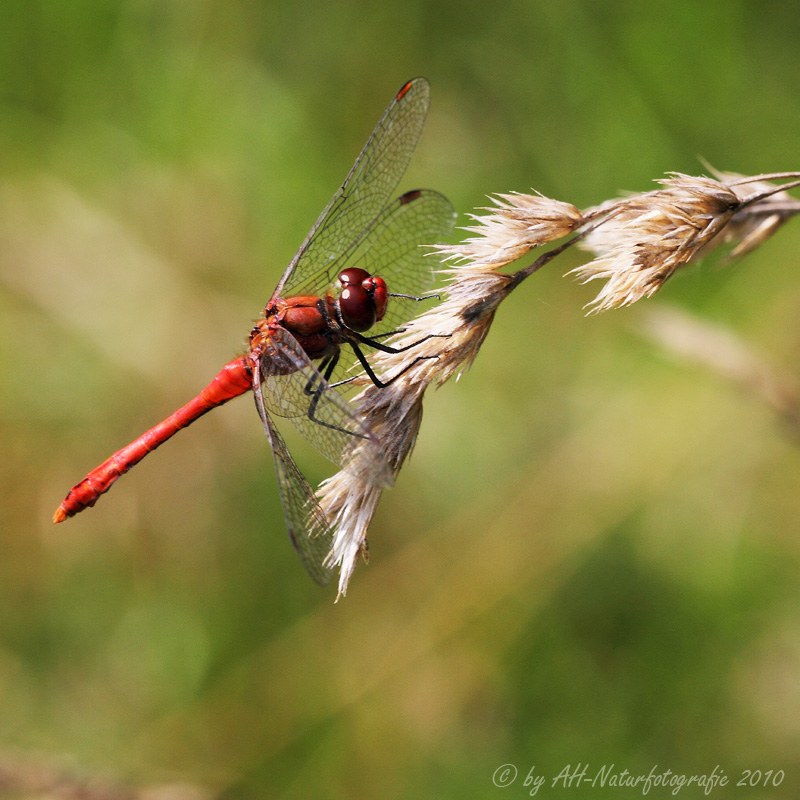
(234, 379)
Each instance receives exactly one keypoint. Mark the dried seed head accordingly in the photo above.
(518, 223)
(646, 237)
(757, 221)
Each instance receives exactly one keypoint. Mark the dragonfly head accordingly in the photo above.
(363, 299)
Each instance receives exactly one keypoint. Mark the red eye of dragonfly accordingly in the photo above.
(304, 322)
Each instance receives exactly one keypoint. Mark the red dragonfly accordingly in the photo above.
(333, 292)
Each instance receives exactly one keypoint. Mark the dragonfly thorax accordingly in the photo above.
(310, 320)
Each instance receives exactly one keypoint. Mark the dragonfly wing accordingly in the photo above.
(308, 529)
(292, 387)
(362, 196)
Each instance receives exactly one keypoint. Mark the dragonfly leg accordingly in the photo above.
(326, 367)
(315, 388)
(372, 341)
(382, 384)
(388, 333)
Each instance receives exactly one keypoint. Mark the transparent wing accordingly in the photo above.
(307, 526)
(292, 387)
(364, 193)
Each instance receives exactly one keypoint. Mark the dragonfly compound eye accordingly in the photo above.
(357, 308)
(353, 276)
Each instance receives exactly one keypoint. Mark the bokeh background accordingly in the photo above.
(592, 556)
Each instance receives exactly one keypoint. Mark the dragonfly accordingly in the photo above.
(359, 271)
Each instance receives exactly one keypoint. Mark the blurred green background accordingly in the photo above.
(592, 556)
